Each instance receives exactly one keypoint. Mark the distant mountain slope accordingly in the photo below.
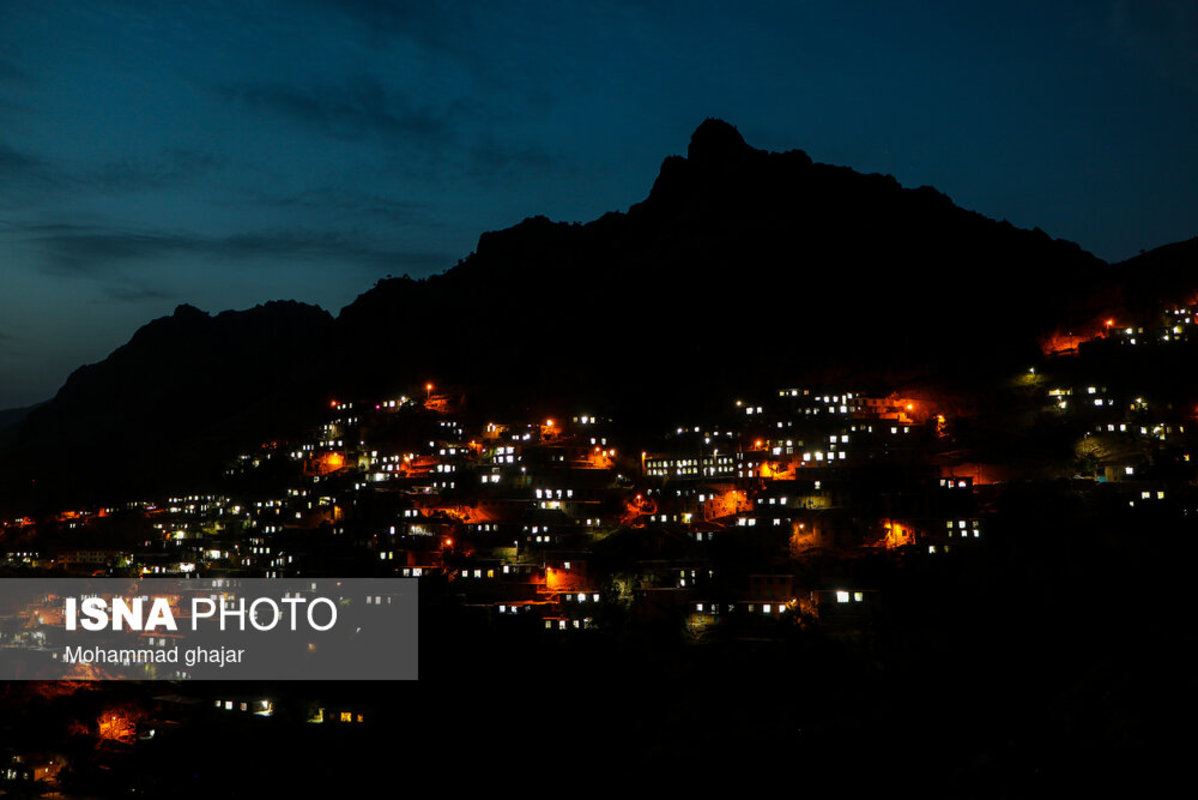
(13, 416)
(1167, 274)
(168, 406)
(740, 271)
(10, 421)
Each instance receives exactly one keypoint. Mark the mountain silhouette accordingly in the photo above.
(166, 407)
(742, 270)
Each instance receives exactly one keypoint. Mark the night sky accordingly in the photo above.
(226, 154)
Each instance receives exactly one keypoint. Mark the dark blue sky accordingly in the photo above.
(229, 153)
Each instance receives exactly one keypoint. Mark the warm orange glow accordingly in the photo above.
(428, 387)
(599, 459)
(119, 724)
(898, 535)
(548, 423)
(981, 473)
(775, 470)
(324, 464)
(803, 538)
(638, 507)
(563, 580)
(52, 689)
(332, 404)
(725, 504)
(448, 542)
(1059, 344)
(1110, 323)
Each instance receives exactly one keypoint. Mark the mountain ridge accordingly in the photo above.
(741, 270)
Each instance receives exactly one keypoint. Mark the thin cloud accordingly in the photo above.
(136, 294)
(78, 251)
(354, 109)
(173, 167)
(25, 179)
(492, 160)
(30, 179)
(13, 160)
(349, 202)
(440, 26)
(24, 174)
